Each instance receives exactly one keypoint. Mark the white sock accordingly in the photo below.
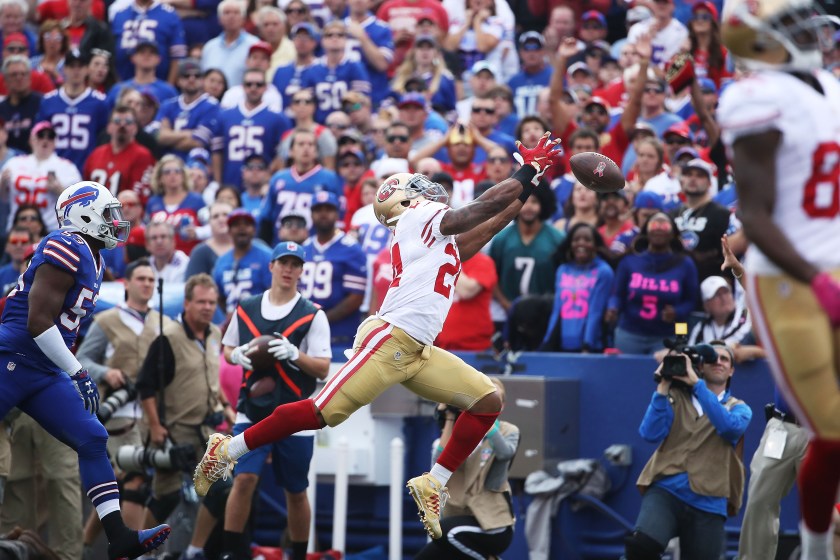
(193, 550)
(440, 474)
(816, 546)
(236, 447)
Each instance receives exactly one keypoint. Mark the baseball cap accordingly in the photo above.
(579, 66)
(151, 44)
(429, 15)
(686, 151)
(707, 85)
(241, 213)
(680, 129)
(149, 95)
(710, 286)
(413, 98)
(307, 27)
(75, 55)
(531, 41)
(648, 199)
(188, 65)
(43, 125)
(386, 167)
(325, 197)
(425, 38)
(358, 154)
(288, 249)
(351, 134)
(638, 13)
(293, 218)
(619, 193)
(700, 164)
(483, 65)
(600, 101)
(596, 15)
(14, 38)
(642, 126)
(705, 5)
(261, 46)
(255, 156)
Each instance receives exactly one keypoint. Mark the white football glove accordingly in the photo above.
(282, 349)
(239, 356)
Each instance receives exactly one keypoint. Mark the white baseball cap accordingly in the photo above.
(711, 285)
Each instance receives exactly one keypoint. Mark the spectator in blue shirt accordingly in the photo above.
(229, 50)
(534, 76)
(654, 288)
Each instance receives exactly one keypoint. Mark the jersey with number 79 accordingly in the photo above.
(70, 253)
(426, 265)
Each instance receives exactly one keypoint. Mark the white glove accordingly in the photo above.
(282, 349)
(239, 356)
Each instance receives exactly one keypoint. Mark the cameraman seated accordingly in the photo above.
(695, 478)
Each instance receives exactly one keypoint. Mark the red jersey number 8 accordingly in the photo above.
(822, 191)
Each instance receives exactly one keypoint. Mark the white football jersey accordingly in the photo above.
(807, 207)
(28, 184)
(426, 264)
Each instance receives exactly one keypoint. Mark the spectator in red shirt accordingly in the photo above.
(468, 325)
(613, 214)
(60, 9)
(706, 45)
(121, 164)
(402, 16)
(15, 44)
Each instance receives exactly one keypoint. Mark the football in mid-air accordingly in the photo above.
(597, 172)
(261, 358)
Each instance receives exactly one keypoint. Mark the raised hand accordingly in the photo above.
(568, 48)
(540, 157)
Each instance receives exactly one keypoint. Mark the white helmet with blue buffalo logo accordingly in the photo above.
(89, 208)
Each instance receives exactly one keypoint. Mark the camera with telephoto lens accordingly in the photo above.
(116, 400)
(137, 458)
(440, 414)
(673, 365)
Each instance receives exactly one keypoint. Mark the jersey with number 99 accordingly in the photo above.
(807, 207)
(68, 252)
(426, 265)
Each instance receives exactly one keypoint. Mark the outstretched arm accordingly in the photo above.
(471, 242)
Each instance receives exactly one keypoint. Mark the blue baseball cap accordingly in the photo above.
(325, 197)
(651, 200)
(143, 43)
(596, 15)
(286, 249)
(707, 85)
(308, 28)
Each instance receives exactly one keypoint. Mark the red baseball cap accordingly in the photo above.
(705, 5)
(15, 38)
(261, 46)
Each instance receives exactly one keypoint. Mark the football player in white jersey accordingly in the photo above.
(781, 124)
(395, 346)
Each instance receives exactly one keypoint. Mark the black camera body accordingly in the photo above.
(440, 415)
(673, 365)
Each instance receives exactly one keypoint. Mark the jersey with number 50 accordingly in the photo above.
(426, 264)
(70, 253)
(807, 207)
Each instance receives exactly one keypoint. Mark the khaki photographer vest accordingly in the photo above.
(129, 349)
(693, 446)
(468, 495)
(194, 390)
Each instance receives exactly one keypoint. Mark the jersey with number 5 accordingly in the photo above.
(70, 253)
(807, 207)
(426, 265)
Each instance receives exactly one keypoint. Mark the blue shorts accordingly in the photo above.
(290, 460)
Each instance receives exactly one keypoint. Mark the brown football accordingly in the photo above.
(597, 172)
(260, 356)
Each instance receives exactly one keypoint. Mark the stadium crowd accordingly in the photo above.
(227, 127)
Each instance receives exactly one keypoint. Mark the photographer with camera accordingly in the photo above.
(112, 351)
(695, 478)
(192, 403)
(478, 518)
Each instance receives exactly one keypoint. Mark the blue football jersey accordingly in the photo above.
(246, 277)
(331, 84)
(158, 24)
(201, 116)
(381, 35)
(290, 193)
(288, 81)
(331, 273)
(70, 253)
(241, 133)
(77, 122)
(526, 87)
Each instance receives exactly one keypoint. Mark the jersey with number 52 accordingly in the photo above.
(426, 265)
(807, 207)
(68, 252)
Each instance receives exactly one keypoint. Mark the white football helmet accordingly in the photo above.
(777, 34)
(91, 209)
(394, 196)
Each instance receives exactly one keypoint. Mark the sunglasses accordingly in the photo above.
(13, 49)
(253, 84)
(306, 101)
(654, 90)
(296, 10)
(189, 75)
(703, 17)
(677, 140)
(352, 107)
(592, 25)
(595, 111)
(100, 52)
(397, 138)
(28, 218)
(18, 241)
(485, 110)
(45, 135)
(170, 170)
(53, 36)
(255, 167)
(334, 35)
(659, 226)
(498, 160)
(130, 204)
(293, 223)
(121, 122)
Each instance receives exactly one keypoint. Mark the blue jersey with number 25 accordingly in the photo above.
(68, 252)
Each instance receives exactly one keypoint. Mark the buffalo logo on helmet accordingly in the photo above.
(600, 168)
(85, 196)
(388, 188)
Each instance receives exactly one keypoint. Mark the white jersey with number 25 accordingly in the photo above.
(807, 186)
(426, 265)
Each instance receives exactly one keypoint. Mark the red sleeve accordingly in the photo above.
(443, 16)
(41, 83)
(98, 10)
(482, 269)
(382, 13)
